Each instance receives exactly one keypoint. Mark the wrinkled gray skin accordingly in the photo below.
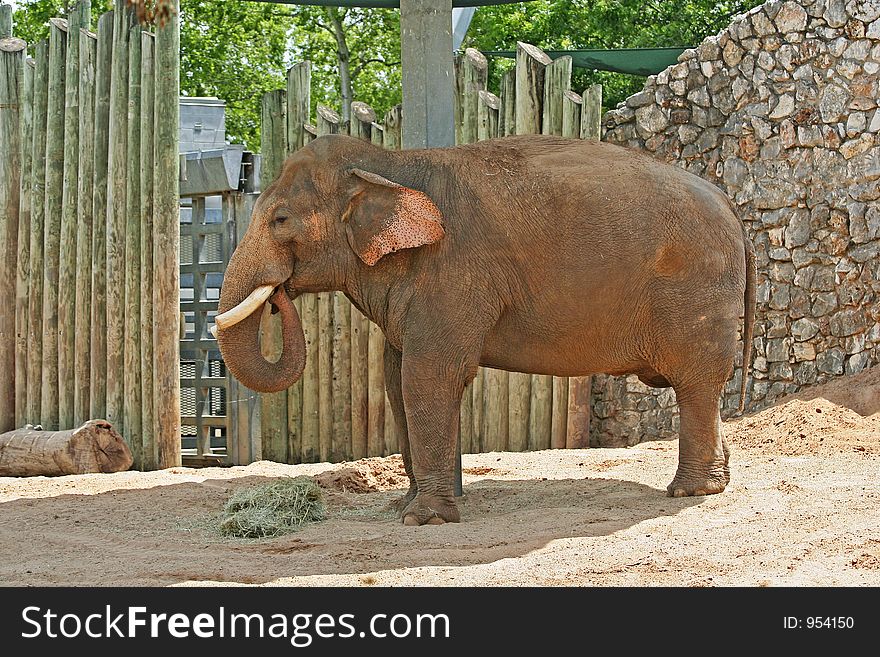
(530, 254)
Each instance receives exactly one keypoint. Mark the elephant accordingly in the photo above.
(532, 254)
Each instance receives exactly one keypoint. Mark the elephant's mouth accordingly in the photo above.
(237, 330)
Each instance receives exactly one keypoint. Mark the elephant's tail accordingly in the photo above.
(748, 314)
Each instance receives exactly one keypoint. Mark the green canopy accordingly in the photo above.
(635, 61)
(386, 4)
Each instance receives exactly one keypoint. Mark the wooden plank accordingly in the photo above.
(392, 128)
(274, 406)
(472, 73)
(310, 413)
(578, 431)
(557, 80)
(38, 214)
(12, 54)
(571, 114)
(299, 80)
(531, 63)
(362, 119)
(341, 438)
(150, 453)
(488, 118)
(133, 398)
(23, 270)
(477, 389)
(559, 422)
(591, 115)
(391, 135)
(495, 410)
(88, 46)
(507, 111)
(77, 18)
(103, 71)
(327, 123)
(166, 242)
(5, 20)
(116, 215)
(52, 237)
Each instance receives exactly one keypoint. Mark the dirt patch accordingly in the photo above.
(797, 427)
(799, 511)
(366, 476)
(478, 471)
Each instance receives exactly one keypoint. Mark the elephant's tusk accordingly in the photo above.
(246, 308)
(213, 331)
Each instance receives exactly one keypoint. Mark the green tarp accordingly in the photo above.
(636, 61)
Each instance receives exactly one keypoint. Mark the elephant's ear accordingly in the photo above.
(384, 217)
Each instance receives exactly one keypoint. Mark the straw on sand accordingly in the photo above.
(272, 509)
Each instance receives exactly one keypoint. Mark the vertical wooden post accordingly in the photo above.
(132, 399)
(507, 115)
(103, 71)
(550, 394)
(273, 416)
(23, 271)
(12, 54)
(488, 116)
(376, 362)
(52, 243)
(362, 119)
(79, 16)
(327, 124)
(529, 423)
(299, 80)
(392, 128)
(166, 243)
(578, 430)
(472, 74)
(116, 215)
(557, 80)
(88, 46)
(150, 455)
(302, 396)
(390, 431)
(591, 115)
(38, 214)
(571, 114)
(5, 21)
(496, 410)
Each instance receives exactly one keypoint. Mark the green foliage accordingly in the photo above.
(601, 24)
(372, 37)
(235, 51)
(31, 19)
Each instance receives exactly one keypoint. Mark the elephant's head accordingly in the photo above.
(329, 214)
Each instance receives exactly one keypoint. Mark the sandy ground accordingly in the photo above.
(802, 509)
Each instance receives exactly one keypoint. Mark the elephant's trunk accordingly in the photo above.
(240, 346)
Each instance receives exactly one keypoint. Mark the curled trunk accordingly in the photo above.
(240, 346)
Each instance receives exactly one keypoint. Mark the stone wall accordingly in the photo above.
(779, 111)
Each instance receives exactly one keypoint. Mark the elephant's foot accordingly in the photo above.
(430, 510)
(403, 501)
(688, 483)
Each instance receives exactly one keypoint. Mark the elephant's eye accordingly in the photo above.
(280, 217)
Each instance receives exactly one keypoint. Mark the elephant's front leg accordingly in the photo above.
(395, 398)
(432, 384)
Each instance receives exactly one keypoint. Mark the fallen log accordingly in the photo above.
(94, 447)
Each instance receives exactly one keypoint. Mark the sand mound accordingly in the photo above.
(839, 416)
(366, 476)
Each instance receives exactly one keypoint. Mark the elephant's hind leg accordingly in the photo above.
(702, 454)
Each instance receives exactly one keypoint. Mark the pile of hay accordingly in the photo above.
(274, 509)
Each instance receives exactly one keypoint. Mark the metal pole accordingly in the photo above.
(428, 91)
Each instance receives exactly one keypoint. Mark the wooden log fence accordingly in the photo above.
(89, 181)
(340, 411)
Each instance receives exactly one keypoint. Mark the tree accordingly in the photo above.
(355, 54)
